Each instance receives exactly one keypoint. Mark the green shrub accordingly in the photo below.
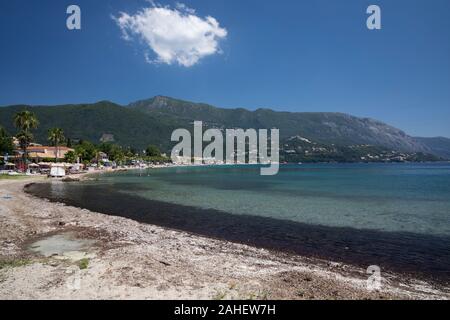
(83, 263)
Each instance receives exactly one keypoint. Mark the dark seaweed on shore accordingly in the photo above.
(423, 256)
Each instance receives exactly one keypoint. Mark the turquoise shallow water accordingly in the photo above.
(396, 216)
(387, 197)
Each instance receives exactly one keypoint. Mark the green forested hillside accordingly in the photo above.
(152, 122)
(91, 121)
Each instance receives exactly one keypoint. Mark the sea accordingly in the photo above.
(395, 216)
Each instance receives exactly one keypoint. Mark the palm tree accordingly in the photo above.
(25, 121)
(25, 138)
(56, 136)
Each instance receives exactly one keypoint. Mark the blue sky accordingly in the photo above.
(291, 55)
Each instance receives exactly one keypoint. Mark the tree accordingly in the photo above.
(6, 142)
(56, 136)
(152, 151)
(105, 147)
(70, 157)
(114, 151)
(86, 151)
(130, 152)
(25, 138)
(117, 154)
(25, 121)
(3, 132)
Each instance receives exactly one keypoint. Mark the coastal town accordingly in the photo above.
(57, 162)
(21, 155)
(300, 149)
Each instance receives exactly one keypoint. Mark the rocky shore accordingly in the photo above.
(52, 251)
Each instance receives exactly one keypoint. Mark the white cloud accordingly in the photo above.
(174, 35)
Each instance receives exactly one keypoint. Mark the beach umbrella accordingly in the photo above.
(57, 165)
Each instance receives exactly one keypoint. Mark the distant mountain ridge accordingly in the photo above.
(152, 121)
(439, 145)
(322, 127)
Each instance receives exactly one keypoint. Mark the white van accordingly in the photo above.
(57, 172)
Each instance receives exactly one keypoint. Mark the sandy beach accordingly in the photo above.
(53, 251)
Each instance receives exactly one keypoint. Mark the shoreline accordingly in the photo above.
(308, 241)
(132, 260)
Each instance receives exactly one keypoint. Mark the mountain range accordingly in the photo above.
(152, 121)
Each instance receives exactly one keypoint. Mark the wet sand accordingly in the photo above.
(53, 251)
